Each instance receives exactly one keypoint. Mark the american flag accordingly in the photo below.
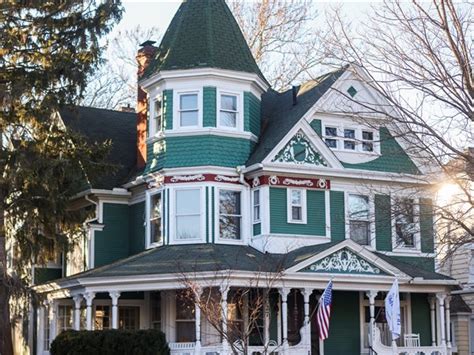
(324, 312)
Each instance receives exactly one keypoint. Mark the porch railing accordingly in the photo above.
(382, 349)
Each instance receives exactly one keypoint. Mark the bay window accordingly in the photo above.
(155, 218)
(188, 110)
(296, 209)
(64, 318)
(185, 318)
(230, 214)
(256, 206)
(405, 227)
(359, 219)
(129, 317)
(228, 111)
(188, 214)
(157, 116)
(102, 317)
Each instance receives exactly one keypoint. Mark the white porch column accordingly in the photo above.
(447, 301)
(114, 295)
(266, 317)
(371, 296)
(197, 314)
(442, 326)
(432, 301)
(307, 322)
(284, 310)
(40, 325)
(52, 320)
(225, 344)
(77, 311)
(89, 297)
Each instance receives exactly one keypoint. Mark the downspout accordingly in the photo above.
(86, 223)
(240, 171)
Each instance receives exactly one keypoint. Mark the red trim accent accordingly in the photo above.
(174, 179)
(288, 181)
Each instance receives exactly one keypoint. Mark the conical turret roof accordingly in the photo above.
(203, 34)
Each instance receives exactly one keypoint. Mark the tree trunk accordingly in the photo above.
(6, 344)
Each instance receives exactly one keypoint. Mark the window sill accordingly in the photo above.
(375, 153)
(296, 222)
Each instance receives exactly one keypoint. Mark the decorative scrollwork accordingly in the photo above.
(288, 181)
(273, 180)
(343, 260)
(226, 178)
(299, 151)
(179, 178)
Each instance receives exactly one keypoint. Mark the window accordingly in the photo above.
(185, 318)
(155, 218)
(46, 332)
(155, 304)
(359, 219)
(102, 317)
(228, 111)
(129, 317)
(256, 206)
(404, 223)
(367, 141)
(64, 318)
(188, 110)
(331, 137)
(157, 115)
(349, 139)
(296, 206)
(188, 214)
(235, 320)
(230, 216)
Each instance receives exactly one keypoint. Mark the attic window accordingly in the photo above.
(352, 91)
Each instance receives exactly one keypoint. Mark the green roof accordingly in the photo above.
(203, 34)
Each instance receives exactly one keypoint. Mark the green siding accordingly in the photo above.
(168, 109)
(45, 274)
(383, 226)
(420, 317)
(344, 328)
(316, 125)
(257, 228)
(251, 113)
(112, 242)
(338, 228)
(423, 263)
(209, 106)
(426, 225)
(393, 158)
(316, 215)
(175, 152)
(207, 214)
(137, 228)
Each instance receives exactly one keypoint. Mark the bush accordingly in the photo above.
(110, 342)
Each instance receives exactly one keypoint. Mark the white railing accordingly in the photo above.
(382, 349)
(182, 348)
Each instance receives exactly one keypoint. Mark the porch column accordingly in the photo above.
(447, 301)
(114, 295)
(197, 314)
(225, 344)
(284, 310)
(266, 317)
(89, 296)
(52, 320)
(77, 311)
(371, 296)
(441, 297)
(432, 301)
(307, 323)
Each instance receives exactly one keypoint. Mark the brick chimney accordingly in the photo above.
(144, 56)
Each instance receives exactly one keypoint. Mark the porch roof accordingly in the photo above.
(179, 259)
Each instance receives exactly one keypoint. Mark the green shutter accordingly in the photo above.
(209, 106)
(137, 228)
(383, 225)
(316, 125)
(257, 229)
(168, 109)
(338, 226)
(420, 317)
(251, 113)
(426, 225)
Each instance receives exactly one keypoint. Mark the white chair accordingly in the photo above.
(412, 340)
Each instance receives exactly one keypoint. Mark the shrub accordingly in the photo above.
(110, 342)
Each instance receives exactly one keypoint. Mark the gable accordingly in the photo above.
(343, 261)
(299, 150)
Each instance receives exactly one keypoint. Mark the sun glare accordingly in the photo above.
(447, 192)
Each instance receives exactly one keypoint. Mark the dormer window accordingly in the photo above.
(367, 141)
(228, 111)
(188, 110)
(331, 137)
(349, 139)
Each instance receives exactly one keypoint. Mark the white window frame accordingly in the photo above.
(254, 219)
(172, 206)
(372, 240)
(340, 127)
(416, 221)
(355, 139)
(153, 129)
(303, 206)
(149, 196)
(362, 140)
(218, 214)
(177, 110)
(239, 124)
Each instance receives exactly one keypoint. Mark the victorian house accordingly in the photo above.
(226, 185)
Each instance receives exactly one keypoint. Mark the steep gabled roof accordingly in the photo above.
(99, 125)
(203, 34)
(279, 114)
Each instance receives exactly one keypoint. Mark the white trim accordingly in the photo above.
(149, 195)
(327, 208)
(152, 130)
(239, 124)
(252, 198)
(177, 108)
(289, 206)
(200, 131)
(371, 219)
